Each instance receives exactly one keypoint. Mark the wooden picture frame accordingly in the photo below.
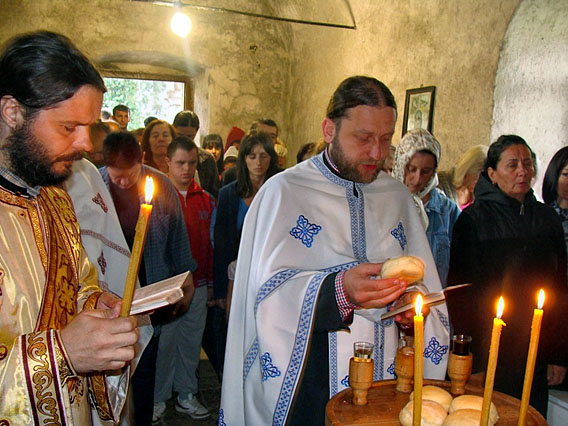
(419, 109)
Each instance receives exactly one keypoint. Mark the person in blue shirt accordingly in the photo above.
(416, 162)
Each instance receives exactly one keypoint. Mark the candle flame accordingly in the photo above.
(149, 189)
(500, 307)
(418, 306)
(540, 298)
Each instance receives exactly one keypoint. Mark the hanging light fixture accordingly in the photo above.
(180, 23)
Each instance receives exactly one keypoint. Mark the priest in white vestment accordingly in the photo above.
(307, 282)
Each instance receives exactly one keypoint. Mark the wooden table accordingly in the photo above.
(385, 402)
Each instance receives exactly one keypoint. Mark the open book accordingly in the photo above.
(158, 295)
(429, 299)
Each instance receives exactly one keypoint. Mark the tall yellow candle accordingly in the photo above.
(137, 249)
(531, 359)
(418, 361)
(492, 363)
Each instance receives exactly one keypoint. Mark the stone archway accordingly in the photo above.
(531, 85)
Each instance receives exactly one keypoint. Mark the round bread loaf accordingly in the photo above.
(408, 268)
(466, 417)
(437, 394)
(433, 414)
(473, 402)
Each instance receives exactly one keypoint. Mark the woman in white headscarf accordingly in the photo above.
(416, 162)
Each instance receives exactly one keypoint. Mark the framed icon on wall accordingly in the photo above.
(419, 109)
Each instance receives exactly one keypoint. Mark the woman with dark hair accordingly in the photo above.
(555, 187)
(508, 244)
(213, 144)
(157, 136)
(255, 164)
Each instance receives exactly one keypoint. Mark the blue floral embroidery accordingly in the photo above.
(435, 351)
(268, 369)
(221, 419)
(305, 231)
(443, 319)
(398, 233)
(345, 381)
(390, 370)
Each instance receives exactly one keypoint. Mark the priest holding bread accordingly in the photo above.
(311, 277)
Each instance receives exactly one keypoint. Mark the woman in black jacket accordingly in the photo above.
(507, 243)
(255, 164)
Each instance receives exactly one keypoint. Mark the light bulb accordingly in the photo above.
(180, 24)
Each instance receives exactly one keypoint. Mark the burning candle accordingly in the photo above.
(137, 249)
(418, 361)
(531, 359)
(492, 363)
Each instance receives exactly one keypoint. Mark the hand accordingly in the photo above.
(555, 374)
(97, 341)
(182, 305)
(221, 303)
(406, 318)
(111, 302)
(365, 290)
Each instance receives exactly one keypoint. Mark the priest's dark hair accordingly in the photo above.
(355, 91)
(121, 150)
(244, 184)
(43, 68)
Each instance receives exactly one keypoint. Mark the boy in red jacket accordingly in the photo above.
(177, 364)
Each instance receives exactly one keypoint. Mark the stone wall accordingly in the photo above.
(240, 66)
(244, 67)
(531, 87)
(453, 45)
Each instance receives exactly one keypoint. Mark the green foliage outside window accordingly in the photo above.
(162, 99)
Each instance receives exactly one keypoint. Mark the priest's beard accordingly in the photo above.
(348, 169)
(30, 161)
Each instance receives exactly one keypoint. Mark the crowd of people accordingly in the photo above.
(282, 261)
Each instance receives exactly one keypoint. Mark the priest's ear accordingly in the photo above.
(11, 112)
(328, 128)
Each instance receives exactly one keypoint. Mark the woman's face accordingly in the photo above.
(562, 188)
(258, 162)
(160, 138)
(215, 151)
(418, 171)
(514, 172)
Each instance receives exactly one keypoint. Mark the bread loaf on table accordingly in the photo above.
(473, 402)
(437, 394)
(433, 414)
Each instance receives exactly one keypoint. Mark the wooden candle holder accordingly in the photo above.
(404, 368)
(360, 379)
(459, 371)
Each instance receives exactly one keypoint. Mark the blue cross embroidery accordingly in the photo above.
(221, 419)
(268, 369)
(390, 370)
(398, 233)
(435, 351)
(305, 231)
(345, 381)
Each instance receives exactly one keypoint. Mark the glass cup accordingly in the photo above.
(461, 344)
(363, 351)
